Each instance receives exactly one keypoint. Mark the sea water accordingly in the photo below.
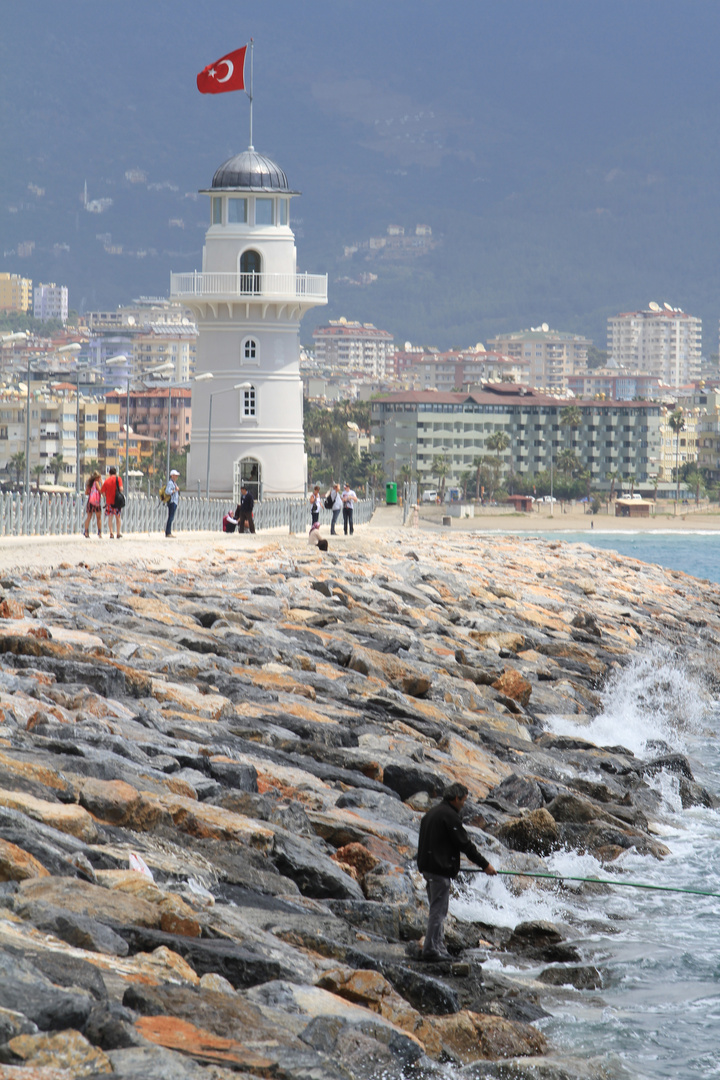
(658, 1013)
(695, 552)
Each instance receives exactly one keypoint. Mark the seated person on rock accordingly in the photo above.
(442, 838)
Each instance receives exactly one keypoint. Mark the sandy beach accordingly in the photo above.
(576, 519)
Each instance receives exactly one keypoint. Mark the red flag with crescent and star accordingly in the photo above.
(225, 74)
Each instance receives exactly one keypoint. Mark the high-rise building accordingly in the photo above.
(551, 355)
(15, 292)
(353, 348)
(50, 302)
(661, 341)
(249, 300)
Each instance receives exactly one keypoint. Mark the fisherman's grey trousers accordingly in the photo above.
(438, 894)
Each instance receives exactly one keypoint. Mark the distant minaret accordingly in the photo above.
(248, 301)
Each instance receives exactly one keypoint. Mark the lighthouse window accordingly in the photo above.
(217, 211)
(237, 211)
(250, 351)
(249, 402)
(282, 212)
(263, 211)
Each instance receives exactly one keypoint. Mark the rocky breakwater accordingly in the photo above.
(211, 781)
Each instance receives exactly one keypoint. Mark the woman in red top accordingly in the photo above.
(93, 504)
(112, 512)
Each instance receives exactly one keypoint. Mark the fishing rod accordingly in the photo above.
(593, 881)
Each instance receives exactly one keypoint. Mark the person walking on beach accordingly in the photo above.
(173, 492)
(336, 506)
(93, 504)
(442, 838)
(111, 485)
(315, 505)
(244, 512)
(348, 498)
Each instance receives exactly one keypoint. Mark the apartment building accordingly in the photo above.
(15, 293)
(162, 343)
(50, 302)
(552, 356)
(661, 341)
(412, 428)
(149, 414)
(360, 348)
(454, 370)
(615, 384)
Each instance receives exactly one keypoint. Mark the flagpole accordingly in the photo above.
(250, 95)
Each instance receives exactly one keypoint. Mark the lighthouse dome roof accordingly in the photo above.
(252, 172)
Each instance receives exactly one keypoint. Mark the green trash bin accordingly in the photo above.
(391, 494)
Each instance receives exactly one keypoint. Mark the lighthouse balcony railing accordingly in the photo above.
(222, 285)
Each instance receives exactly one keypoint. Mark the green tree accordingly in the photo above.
(567, 462)
(56, 463)
(17, 463)
(477, 465)
(570, 420)
(631, 479)
(440, 468)
(612, 476)
(37, 471)
(676, 423)
(465, 478)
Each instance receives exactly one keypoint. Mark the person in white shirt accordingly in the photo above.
(315, 505)
(348, 498)
(337, 505)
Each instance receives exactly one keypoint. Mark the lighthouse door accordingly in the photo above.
(248, 474)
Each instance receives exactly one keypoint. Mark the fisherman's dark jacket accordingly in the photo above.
(442, 838)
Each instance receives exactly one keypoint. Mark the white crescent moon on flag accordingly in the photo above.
(230, 69)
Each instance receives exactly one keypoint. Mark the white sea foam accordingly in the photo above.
(654, 699)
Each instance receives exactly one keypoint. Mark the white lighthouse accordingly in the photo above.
(248, 300)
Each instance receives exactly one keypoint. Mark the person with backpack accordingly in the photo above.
(94, 504)
(172, 497)
(112, 489)
(333, 501)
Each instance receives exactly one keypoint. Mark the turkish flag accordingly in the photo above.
(223, 75)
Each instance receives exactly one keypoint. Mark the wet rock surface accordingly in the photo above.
(211, 783)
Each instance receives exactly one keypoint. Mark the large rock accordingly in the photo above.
(314, 874)
(408, 779)
(24, 989)
(535, 831)
(63, 1050)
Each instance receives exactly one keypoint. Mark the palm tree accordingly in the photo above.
(571, 417)
(440, 468)
(477, 465)
(632, 480)
(676, 423)
(498, 442)
(655, 480)
(465, 478)
(567, 462)
(586, 477)
(56, 463)
(612, 476)
(37, 472)
(17, 461)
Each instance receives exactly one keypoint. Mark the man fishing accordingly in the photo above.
(442, 838)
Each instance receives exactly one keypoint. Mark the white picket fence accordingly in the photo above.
(61, 514)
